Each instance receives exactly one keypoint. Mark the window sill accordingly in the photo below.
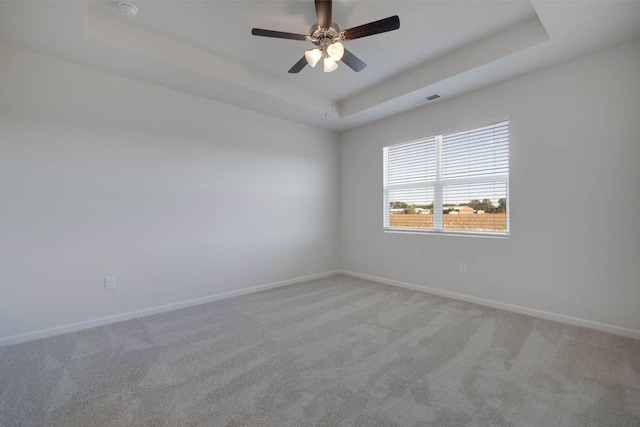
(448, 233)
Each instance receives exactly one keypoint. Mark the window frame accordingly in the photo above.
(438, 185)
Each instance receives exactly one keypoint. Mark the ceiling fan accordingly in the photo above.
(328, 38)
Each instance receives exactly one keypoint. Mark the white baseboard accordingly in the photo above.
(92, 323)
(576, 321)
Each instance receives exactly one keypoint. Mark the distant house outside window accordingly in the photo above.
(454, 183)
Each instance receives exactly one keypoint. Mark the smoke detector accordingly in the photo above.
(128, 9)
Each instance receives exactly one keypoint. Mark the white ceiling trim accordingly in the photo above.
(504, 43)
(109, 31)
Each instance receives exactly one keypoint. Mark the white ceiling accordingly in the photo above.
(206, 48)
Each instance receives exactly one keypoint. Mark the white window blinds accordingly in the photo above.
(456, 182)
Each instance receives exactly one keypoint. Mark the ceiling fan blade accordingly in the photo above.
(278, 34)
(353, 61)
(323, 13)
(382, 26)
(298, 66)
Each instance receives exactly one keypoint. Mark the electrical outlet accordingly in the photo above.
(463, 266)
(327, 253)
(109, 283)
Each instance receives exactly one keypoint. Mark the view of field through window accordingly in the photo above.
(476, 215)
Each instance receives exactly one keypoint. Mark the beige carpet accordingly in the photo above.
(336, 351)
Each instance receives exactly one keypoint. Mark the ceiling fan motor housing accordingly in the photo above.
(323, 37)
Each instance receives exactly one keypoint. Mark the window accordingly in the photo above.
(450, 183)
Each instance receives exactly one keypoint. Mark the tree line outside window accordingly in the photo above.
(486, 206)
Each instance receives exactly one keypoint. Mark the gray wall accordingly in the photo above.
(574, 248)
(176, 196)
(180, 197)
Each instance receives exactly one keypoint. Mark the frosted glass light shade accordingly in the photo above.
(335, 51)
(330, 65)
(313, 56)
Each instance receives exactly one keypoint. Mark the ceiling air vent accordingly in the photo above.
(432, 97)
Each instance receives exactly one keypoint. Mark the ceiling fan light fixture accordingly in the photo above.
(336, 51)
(330, 65)
(313, 56)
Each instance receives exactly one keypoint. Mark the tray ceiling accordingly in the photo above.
(206, 48)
